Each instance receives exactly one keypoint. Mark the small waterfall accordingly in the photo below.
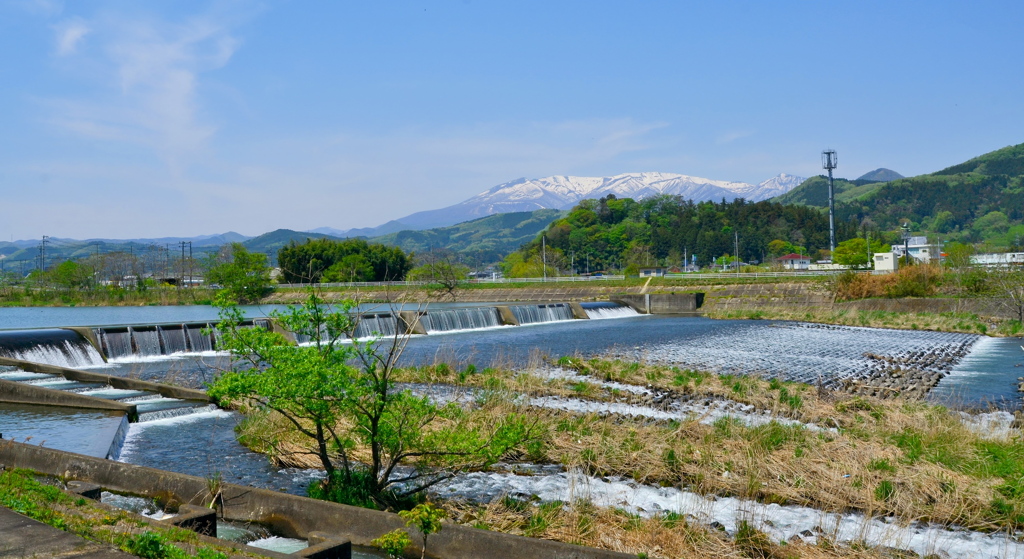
(173, 338)
(532, 314)
(118, 443)
(146, 342)
(609, 311)
(198, 342)
(175, 412)
(473, 318)
(64, 348)
(116, 343)
(383, 325)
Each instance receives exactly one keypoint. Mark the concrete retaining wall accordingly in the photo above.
(508, 317)
(288, 514)
(21, 393)
(165, 390)
(411, 322)
(663, 303)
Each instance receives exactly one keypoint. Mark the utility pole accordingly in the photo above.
(42, 253)
(736, 260)
(830, 161)
(182, 244)
(544, 252)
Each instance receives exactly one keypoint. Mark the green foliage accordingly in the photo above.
(854, 252)
(881, 465)
(814, 191)
(319, 260)
(478, 242)
(425, 518)
(615, 233)
(393, 543)
(340, 395)
(885, 490)
(244, 278)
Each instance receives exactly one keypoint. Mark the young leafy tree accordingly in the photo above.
(341, 394)
(441, 269)
(245, 277)
(427, 519)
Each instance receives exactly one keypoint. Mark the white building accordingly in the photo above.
(919, 248)
(886, 262)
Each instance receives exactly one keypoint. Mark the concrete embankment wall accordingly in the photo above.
(288, 515)
(663, 303)
(21, 393)
(165, 390)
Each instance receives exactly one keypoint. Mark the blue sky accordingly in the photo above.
(145, 119)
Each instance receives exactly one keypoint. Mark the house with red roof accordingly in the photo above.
(795, 261)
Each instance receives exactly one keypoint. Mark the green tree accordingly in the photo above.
(70, 275)
(440, 268)
(854, 252)
(340, 393)
(244, 277)
(352, 267)
(427, 519)
(310, 261)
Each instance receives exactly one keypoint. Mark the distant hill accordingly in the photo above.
(480, 241)
(980, 200)
(880, 175)
(24, 254)
(270, 243)
(814, 191)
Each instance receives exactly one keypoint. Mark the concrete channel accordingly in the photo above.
(287, 515)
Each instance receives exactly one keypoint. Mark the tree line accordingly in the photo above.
(614, 233)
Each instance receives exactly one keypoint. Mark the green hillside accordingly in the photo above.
(814, 191)
(1007, 161)
(270, 243)
(978, 201)
(479, 242)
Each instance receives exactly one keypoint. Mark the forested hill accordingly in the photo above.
(478, 242)
(980, 200)
(615, 233)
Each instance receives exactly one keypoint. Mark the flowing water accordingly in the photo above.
(201, 441)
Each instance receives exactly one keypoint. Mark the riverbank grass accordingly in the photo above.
(907, 460)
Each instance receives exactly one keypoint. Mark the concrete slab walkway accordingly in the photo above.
(22, 537)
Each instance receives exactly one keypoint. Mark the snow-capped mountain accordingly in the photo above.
(564, 192)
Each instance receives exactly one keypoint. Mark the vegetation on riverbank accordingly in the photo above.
(40, 499)
(967, 323)
(103, 297)
(902, 459)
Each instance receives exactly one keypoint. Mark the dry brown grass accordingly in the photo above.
(908, 459)
(663, 536)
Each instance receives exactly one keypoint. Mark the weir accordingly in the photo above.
(470, 318)
(533, 314)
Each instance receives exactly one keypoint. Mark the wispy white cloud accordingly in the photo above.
(69, 34)
(149, 74)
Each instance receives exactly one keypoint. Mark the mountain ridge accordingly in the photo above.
(562, 192)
